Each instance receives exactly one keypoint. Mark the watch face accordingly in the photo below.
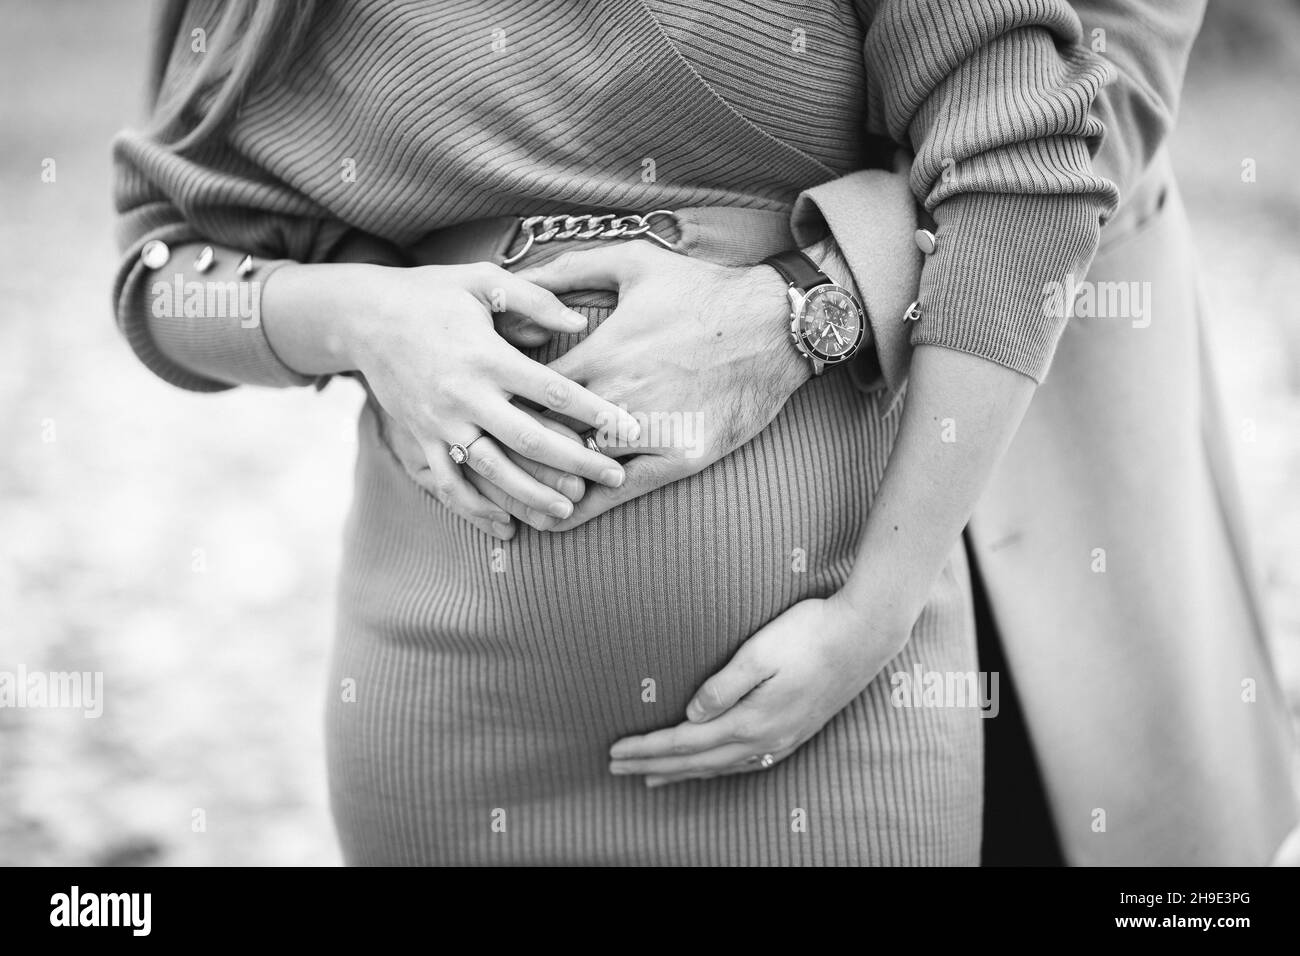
(831, 324)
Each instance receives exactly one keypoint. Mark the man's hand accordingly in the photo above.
(699, 354)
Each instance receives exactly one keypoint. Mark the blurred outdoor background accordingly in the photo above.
(187, 545)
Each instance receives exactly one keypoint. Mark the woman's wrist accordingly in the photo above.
(862, 638)
(883, 603)
(313, 315)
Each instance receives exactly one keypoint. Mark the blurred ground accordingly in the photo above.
(1241, 100)
(187, 545)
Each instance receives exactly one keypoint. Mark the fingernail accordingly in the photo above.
(652, 782)
(502, 530)
(561, 509)
(572, 487)
(612, 477)
(618, 769)
(694, 711)
(501, 517)
(576, 319)
(633, 430)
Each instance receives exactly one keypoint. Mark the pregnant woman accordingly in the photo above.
(517, 595)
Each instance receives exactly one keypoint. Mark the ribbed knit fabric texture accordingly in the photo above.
(400, 118)
(493, 677)
(490, 678)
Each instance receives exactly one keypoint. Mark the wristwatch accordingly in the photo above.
(827, 322)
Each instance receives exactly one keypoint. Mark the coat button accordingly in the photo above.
(925, 241)
(155, 254)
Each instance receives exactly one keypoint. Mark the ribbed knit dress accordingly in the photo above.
(490, 678)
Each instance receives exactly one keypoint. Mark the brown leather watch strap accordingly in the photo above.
(797, 269)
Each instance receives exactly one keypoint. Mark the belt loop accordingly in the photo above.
(734, 236)
(688, 222)
(505, 239)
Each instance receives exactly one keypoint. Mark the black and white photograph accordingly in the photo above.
(651, 433)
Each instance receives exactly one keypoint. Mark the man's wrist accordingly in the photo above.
(791, 367)
(831, 261)
(826, 255)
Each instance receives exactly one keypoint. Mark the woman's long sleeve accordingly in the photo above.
(1147, 42)
(167, 314)
(995, 100)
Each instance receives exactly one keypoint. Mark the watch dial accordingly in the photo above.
(832, 323)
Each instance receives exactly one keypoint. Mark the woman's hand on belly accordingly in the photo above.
(424, 340)
(776, 692)
(415, 461)
(698, 353)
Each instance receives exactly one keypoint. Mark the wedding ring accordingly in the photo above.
(589, 439)
(460, 453)
(766, 761)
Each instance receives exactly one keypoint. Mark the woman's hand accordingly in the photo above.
(412, 457)
(700, 353)
(424, 340)
(777, 691)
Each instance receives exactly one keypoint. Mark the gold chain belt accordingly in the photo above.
(537, 229)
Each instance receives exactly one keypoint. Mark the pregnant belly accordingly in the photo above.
(627, 614)
(638, 606)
